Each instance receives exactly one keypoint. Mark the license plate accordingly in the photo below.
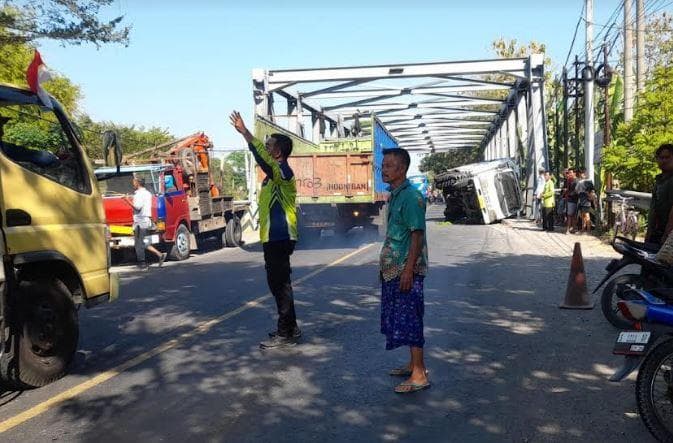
(632, 343)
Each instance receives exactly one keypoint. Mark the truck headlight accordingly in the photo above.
(356, 213)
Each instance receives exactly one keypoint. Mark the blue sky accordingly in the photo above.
(189, 63)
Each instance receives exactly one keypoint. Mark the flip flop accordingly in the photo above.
(400, 372)
(408, 388)
(403, 372)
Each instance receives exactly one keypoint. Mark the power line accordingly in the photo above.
(572, 44)
(650, 9)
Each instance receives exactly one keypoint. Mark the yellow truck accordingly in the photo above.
(53, 240)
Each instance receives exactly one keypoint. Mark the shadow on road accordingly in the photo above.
(505, 362)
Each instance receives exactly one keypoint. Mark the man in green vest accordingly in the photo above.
(277, 226)
(548, 203)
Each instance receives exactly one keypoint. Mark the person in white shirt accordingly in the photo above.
(142, 222)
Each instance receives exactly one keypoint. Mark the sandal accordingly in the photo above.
(400, 372)
(407, 388)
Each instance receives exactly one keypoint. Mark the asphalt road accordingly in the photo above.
(177, 357)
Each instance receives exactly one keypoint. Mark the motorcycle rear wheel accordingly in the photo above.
(615, 291)
(654, 391)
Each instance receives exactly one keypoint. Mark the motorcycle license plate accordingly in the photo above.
(632, 343)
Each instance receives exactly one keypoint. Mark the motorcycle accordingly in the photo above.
(649, 347)
(652, 274)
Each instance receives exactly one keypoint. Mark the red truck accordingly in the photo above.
(186, 209)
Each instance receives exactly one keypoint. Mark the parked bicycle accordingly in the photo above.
(626, 221)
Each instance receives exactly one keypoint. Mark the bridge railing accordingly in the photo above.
(640, 200)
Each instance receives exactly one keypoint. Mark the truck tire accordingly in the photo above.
(47, 331)
(180, 249)
(233, 233)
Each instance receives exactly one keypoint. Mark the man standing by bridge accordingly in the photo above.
(660, 222)
(277, 226)
(404, 259)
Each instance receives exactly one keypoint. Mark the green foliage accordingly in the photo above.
(229, 175)
(659, 42)
(630, 157)
(441, 161)
(133, 138)
(67, 21)
(15, 60)
(35, 136)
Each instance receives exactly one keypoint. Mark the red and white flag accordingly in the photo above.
(36, 75)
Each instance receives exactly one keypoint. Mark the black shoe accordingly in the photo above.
(142, 267)
(295, 334)
(278, 342)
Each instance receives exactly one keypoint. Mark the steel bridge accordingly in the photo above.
(495, 106)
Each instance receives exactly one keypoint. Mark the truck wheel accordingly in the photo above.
(180, 249)
(48, 332)
(233, 233)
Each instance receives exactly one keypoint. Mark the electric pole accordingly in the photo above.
(588, 78)
(565, 118)
(607, 136)
(628, 62)
(557, 136)
(640, 46)
(576, 81)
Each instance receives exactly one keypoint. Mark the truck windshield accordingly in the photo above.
(33, 137)
(118, 184)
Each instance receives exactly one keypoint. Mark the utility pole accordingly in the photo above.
(588, 78)
(557, 137)
(565, 118)
(576, 81)
(607, 136)
(640, 46)
(628, 63)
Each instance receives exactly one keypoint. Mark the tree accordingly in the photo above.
(15, 60)
(229, 175)
(68, 21)
(658, 42)
(441, 161)
(133, 138)
(630, 157)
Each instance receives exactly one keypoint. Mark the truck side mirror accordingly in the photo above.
(112, 149)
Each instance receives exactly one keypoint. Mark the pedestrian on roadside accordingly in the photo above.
(585, 193)
(660, 220)
(141, 203)
(277, 226)
(548, 203)
(570, 198)
(403, 263)
(561, 207)
(539, 187)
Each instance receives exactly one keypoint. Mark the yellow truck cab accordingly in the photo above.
(53, 240)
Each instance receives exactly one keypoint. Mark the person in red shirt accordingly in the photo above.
(570, 199)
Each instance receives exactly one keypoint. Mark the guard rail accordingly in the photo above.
(640, 200)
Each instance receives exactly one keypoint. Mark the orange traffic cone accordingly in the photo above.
(577, 296)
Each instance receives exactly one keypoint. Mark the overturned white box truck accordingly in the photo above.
(481, 193)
